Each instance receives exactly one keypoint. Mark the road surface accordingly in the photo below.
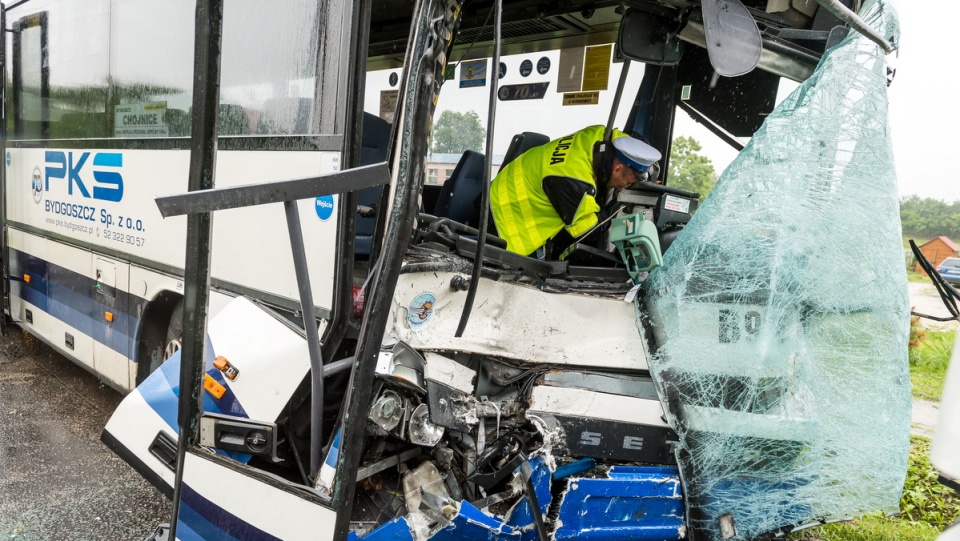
(57, 481)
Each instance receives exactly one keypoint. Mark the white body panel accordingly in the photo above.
(945, 455)
(58, 195)
(271, 358)
(519, 322)
(111, 365)
(134, 425)
(276, 512)
(52, 329)
(577, 403)
(243, 238)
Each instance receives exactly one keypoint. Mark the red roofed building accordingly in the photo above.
(937, 250)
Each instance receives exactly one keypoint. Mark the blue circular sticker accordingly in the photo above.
(526, 67)
(543, 66)
(420, 310)
(8, 157)
(394, 78)
(324, 207)
(503, 70)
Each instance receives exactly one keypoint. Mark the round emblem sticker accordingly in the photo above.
(324, 207)
(526, 67)
(394, 79)
(503, 70)
(420, 310)
(543, 66)
(36, 185)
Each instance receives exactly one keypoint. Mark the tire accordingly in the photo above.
(173, 342)
(165, 345)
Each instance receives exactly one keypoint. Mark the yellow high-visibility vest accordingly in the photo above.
(523, 212)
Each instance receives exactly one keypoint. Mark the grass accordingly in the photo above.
(870, 528)
(914, 276)
(929, 356)
(926, 508)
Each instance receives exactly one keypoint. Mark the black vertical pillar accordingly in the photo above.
(203, 158)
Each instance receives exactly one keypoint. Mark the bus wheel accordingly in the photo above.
(160, 338)
(174, 332)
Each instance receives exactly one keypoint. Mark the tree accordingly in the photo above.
(690, 170)
(455, 132)
(927, 218)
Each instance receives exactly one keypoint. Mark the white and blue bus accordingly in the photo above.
(98, 118)
(695, 371)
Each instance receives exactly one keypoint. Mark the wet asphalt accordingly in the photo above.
(57, 480)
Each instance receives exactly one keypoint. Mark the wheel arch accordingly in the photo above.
(152, 331)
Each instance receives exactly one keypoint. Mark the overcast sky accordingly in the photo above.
(924, 113)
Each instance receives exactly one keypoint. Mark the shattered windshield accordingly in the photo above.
(782, 360)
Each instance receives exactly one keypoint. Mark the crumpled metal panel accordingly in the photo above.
(635, 503)
(781, 314)
(627, 502)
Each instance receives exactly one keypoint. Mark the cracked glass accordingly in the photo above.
(781, 315)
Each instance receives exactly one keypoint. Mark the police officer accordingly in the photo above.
(562, 185)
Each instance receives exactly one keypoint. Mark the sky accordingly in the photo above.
(924, 116)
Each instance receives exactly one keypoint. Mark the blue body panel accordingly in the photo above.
(634, 503)
(76, 300)
(631, 503)
(161, 391)
(200, 519)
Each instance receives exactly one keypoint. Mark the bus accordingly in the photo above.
(699, 370)
(98, 118)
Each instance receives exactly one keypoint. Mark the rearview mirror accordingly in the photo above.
(647, 38)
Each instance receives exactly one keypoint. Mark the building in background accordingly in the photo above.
(936, 251)
(440, 167)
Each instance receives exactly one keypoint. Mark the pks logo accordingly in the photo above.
(107, 183)
(36, 186)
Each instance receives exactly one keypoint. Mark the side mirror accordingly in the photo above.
(646, 37)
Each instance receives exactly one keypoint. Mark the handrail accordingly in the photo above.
(487, 166)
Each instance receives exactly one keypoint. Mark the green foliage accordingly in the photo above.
(924, 499)
(690, 170)
(455, 132)
(870, 528)
(926, 508)
(929, 355)
(929, 218)
(914, 276)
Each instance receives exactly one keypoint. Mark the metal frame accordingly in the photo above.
(203, 159)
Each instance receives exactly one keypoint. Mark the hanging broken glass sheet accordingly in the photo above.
(781, 315)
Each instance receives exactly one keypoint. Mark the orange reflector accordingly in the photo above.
(108, 316)
(213, 387)
(222, 364)
(26, 278)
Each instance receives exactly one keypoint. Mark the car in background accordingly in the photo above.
(950, 269)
